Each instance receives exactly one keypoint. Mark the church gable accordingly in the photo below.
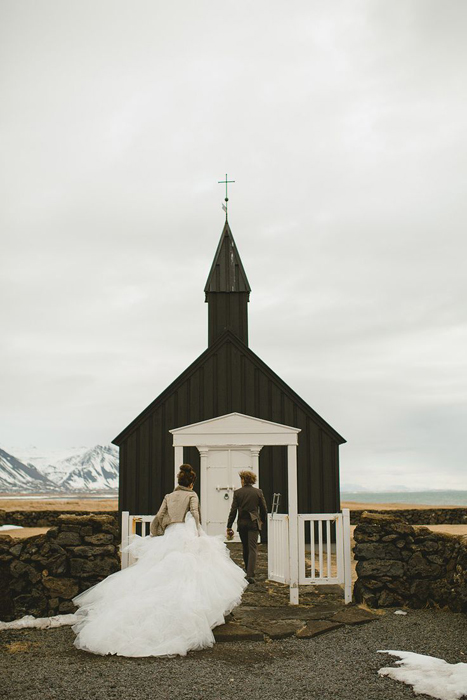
(229, 377)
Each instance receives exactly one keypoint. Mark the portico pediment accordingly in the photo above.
(235, 429)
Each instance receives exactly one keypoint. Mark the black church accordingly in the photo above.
(228, 377)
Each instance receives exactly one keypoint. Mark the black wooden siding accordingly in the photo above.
(227, 312)
(228, 377)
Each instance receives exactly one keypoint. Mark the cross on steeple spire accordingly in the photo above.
(226, 182)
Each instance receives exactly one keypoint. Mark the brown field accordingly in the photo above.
(99, 504)
(450, 529)
(67, 504)
(24, 532)
(354, 505)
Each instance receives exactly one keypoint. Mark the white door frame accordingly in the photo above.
(239, 430)
(204, 464)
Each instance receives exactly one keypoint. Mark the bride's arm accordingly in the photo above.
(155, 527)
(194, 509)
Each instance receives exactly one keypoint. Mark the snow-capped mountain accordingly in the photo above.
(51, 462)
(95, 470)
(16, 476)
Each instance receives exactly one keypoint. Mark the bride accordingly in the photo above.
(182, 585)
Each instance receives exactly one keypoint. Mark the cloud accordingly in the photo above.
(343, 128)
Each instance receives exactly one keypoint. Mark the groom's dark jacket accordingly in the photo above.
(251, 506)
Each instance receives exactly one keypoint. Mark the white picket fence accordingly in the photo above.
(325, 560)
(129, 527)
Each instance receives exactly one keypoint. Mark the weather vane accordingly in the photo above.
(226, 182)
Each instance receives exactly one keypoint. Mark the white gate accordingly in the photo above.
(278, 547)
(324, 561)
(129, 527)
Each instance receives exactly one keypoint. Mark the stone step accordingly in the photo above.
(235, 632)
(255, 624)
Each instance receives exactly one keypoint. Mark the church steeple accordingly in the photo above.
(227, 291)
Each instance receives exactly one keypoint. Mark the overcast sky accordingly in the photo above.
(343, 125)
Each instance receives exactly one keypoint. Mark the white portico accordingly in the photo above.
(227, 445)
(306, 549)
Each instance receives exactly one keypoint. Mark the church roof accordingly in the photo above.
(228, 337)
(227, 273)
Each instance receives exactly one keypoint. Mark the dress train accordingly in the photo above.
(167, 603)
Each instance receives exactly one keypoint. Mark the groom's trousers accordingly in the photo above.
(249, 538)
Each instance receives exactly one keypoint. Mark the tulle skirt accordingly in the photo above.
(167, 603)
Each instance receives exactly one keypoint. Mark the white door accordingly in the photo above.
(221, 479)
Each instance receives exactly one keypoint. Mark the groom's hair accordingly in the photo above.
(248, 477)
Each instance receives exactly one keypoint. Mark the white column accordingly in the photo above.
(255, 460)
(203, 467)
(255, 468)
(178, 460)
(293, 522)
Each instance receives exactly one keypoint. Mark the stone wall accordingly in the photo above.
(403, 565)
(39, 575)
(414, 516)
(419, 516)
(43, 518)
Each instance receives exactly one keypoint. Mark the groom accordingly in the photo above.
(252, 510)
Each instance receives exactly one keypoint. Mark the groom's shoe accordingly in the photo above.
(250, 579)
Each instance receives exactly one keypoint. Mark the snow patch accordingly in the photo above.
(42, 623)
(11, 527)
(400, 612)
(428, 675)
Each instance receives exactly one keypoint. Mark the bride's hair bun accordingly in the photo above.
(186, 476)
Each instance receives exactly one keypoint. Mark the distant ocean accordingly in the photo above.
(423, 498)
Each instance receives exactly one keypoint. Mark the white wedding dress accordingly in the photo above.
(180, 587)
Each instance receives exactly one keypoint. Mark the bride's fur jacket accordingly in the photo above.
(174, 508)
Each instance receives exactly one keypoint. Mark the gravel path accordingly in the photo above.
(340, 665)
